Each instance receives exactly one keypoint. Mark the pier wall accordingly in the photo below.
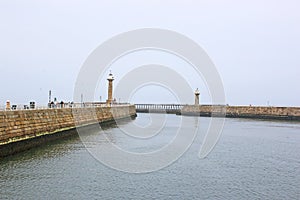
(260, 112)
(27, 125)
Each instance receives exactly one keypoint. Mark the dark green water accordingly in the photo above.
(252, 160)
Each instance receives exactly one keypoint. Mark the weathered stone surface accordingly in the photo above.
(289, 113)
(28, 123)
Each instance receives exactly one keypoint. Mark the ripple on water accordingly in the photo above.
(253, 159)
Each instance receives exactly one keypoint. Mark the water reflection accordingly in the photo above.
(253, 159)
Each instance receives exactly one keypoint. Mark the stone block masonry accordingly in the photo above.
(257, 112)
(27, 128)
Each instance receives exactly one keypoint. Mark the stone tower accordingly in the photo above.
(197, 93)
(110, 79)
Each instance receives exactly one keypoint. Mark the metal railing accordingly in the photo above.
(159, 108)
(61, 105)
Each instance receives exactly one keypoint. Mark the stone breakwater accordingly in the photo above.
(257, 112)
(20, 130)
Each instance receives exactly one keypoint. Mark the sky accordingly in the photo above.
(255, 46)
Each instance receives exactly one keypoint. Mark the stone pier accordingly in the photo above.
(22, 129)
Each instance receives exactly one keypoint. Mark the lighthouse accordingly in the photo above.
(110, 79)
(197, 93)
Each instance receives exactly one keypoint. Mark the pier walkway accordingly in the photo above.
(159, 108)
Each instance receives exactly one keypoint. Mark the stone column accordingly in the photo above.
(110, 79)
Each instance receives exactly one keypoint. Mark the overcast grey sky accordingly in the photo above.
(255, 45)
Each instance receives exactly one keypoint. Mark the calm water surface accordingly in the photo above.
(253, 160)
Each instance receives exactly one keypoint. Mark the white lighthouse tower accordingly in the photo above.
(197, 94)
